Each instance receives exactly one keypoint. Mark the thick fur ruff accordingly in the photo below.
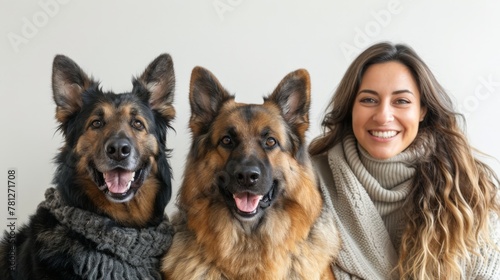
(249, 205)
(113, 181)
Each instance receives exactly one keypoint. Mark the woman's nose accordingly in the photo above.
(383, 114)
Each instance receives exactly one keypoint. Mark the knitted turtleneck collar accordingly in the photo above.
(389, 173)
(117, 252)
(388, 183)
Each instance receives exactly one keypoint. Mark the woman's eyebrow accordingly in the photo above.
(367, 91)
(401, 91)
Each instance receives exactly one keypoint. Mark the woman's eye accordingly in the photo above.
(402, 101)
(368, 100)
(97, 124)
(138, 125)
(270, 142)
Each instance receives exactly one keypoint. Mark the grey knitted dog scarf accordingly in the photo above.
(109, 251)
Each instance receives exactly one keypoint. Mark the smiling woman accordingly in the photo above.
(409, 196)
(386, 112)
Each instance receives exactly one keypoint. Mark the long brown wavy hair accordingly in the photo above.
(454, 192)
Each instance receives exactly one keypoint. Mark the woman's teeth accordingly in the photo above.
(384, 134)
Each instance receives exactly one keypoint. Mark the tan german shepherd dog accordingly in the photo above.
(249, 205)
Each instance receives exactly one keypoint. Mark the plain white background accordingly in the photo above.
(249, 45)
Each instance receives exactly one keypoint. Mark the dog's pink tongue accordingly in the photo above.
(118, 180)
(247, 202)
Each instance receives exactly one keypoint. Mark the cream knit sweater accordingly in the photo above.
(366, 196)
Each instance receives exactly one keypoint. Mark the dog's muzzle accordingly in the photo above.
(119, 174)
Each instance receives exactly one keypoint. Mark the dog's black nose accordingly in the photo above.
(118, 149)
(247, 176)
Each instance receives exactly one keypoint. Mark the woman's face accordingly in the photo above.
(387, 111)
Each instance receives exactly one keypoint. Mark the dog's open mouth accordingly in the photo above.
(120, 185)
(248, 204)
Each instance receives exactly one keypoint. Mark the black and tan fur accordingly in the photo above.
(121, 135)
(249, 204)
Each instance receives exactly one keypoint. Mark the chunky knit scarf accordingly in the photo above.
(117, 253)
(366, 196)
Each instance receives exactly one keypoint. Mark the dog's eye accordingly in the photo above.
(226, 141)
(137, 125)
(270, 142)
(97, 124)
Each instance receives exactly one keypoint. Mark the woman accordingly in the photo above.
(410, 198)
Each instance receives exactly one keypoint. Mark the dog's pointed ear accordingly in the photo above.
(293, 97)
(159, 80)
(206, 96)
(69, 81)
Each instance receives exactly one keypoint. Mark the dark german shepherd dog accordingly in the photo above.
(105, 218)
(249, 206)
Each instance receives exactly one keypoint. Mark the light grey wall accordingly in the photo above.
(249, 45)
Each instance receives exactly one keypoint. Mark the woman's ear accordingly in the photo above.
(423, 112)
